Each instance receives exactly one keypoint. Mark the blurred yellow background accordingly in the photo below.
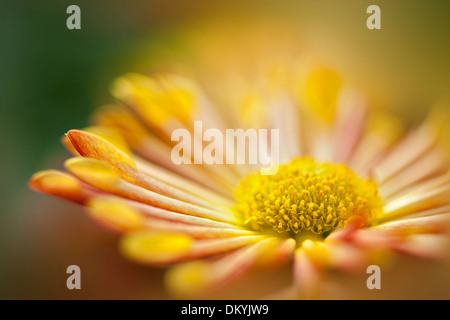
(52, 78)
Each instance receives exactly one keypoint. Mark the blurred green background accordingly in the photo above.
(52, 78)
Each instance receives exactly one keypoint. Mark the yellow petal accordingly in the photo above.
(59, 184)
(115, 214)
(94, 172)
(322, 88)
(111, 135)
(189, 278)
(123, 120)
(154, 247)
(201, 277)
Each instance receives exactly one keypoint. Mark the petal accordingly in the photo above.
(200, 277)
(152, 247)
(307, 276)
(61, 185)
(123, 217)
(115, 215)
(431, 164)
(349, 125)
(95, 147)
(155, 247)
(101, 176)
(431, 224)
(159, 213)
(409, 150)
(426, 246)
(415, 201)
(347, 257)
(383, 130)
(92, 146)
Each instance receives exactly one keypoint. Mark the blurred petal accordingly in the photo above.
(61, 185)
(431, 224)
(426, 246)
(407, 151)
(200, 277)
(155, 248)
(415, 202)
(151, 247)
(115, 215)
(307, 276)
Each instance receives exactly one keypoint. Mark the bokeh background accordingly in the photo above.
(52, 78)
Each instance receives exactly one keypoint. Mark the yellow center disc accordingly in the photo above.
(306, 197)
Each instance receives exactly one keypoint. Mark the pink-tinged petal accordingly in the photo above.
(204, 248)
(408, 151)
(345, 233)
(431, 164)
(202, 277)
(61, 185)
(350, 121)
(307, 276)
(426, 246)
(157, 248)
(347, 257)
(415, 202)
(444, 209)
(374, 239)
(101, 176)
(284, 116)
(383, 130)
(423, 187)
(431, 224)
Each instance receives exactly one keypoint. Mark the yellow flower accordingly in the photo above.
(351, 186)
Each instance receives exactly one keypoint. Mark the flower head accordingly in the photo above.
(350, 183)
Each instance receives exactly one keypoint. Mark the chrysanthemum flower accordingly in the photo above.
(352, 184)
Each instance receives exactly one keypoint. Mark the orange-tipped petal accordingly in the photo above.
(96, 147)
(103, 177)
(61, 185)
(93, 146)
